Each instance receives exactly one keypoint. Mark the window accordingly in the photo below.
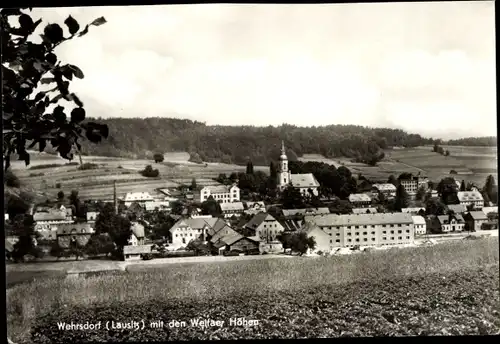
(399, 224)
(407, 237)
(392, 225)
(384, 238)
(384, 232)
(400, 238)
(356, 227)
(348, 227)
(349, 233)
(373, 239)
(399, 232)
(357, 239)
(408, 231)
(331, 241)
(338, 240)
(348, 240)
(373, 233)
(365, 239)
(357, 233)
(392, 238)
(384, 226)
(365, 226)
(365, 233)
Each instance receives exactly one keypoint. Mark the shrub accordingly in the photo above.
(37, 174)
(150, 172)
(11, 180)
(73, 163)
(158, 157)
(39, 167)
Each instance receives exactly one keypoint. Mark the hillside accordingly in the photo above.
(137, 137)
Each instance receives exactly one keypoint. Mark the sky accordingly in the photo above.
(427, 68)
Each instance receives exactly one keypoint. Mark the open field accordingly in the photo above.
(451, 288)
(98, 183)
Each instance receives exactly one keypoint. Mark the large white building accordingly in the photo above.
(137, 197)
(221, 193)
(366, 229)
(473, 198)
(419, 224)
(303, 182)
(387, 189)
(412, 183)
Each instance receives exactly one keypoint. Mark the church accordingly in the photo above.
(302, 182)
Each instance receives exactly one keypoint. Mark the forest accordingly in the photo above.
(239, 144)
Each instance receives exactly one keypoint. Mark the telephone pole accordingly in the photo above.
(115, 201)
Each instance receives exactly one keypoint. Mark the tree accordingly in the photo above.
(462, 186)
(249, 168)
(158, 157)
(211, 207)
(435, 148)
(195, 157)
(285, 238)
(447, 188)
(11, 180)
(193, 186)
(392, 180)
(177, 207)
(490, 189)
(273, 171)
(60, 196)
(100, 244)
(420, 195)
(301, 243)
(198, 247)
(292, 198)
(401, 200)
(116, 226)
(24, 68)
(435, 207)
(24, 227)
(447, 153)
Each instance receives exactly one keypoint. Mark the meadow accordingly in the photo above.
(451, 288)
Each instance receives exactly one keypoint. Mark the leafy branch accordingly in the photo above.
(25, 66)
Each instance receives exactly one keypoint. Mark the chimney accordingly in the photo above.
(115, 201)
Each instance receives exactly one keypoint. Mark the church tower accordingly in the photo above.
(283, 173)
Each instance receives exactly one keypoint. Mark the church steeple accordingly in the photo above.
(283, 151)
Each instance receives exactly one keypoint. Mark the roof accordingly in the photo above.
(412, 210)
(443, 219)
(139, 249)
(488, 210)
(457, 208)
(53, 215)
(138, 230)
(359, 219)
(216, 226)
(232, 238)
(304, 180)
(156, 204)
(364, 210)
(165, 192)
(232, 206)
(469, 196)
(312, 211)
(385, 187)
(478, 215)
(74, 228)
(219, 188)
(137, 196)
(195, 223)
(418, 220)
(224, 232)
(290, 225)
(258, 219)
(255, 205)
(308, 228)
(359, 198)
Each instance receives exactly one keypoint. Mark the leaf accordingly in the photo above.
(11, 12)
(39, 96)
(35, 24)
(53, 33)
(84, 31)
(47, 81)
(72, 25)
(57, 98)
(68, 74)
(77, 115)
(77, 100)
(41, 145)
(26, 23)
(39, 66)
(76, 71)
(32, 144)
(51, 58)
(99, 21)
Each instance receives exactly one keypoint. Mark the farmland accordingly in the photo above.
(452, 288)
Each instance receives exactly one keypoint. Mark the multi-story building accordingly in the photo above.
(451, 223)
(305, 182)
(360, 200)
(366, 229)
(413, 211)
(185, 230)
(74, 234)
(221, 193)
(473, 198)
(137, 197)
(287, 213)
(419, 224)
(412, 183)
(367, 210)
(232, 209)
(48, 219)
(263, 226)
(387, 189)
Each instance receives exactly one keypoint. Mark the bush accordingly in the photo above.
(74, 163)
(37, 174)
(39, 167)
(11, 180)
(158, 157)
(150, 172)
(88, 166)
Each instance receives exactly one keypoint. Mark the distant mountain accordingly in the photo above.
(141, 137)
(487, 141)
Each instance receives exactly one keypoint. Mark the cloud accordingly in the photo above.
(425, 67)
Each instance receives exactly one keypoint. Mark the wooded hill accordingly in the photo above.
(140, 137)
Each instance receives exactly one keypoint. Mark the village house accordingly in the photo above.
(451, 223)
(412, 183)
(157, 205)
(413, 210)
(419, 224)
(137, 197)
(366, 229)
(263, 226)
(92, 216)
(457, 208)
(136, 252)
(306, 183)
(474, 220)
(189, 229)
(360, 200)
(221, 193)
(321, 238)
(473, 198)
(488, 210)
(238, 243)
(137, 237)
(252, 208)
(232, 209)
(388, 190)
(74, 234)
(368, 210)
(50, 218)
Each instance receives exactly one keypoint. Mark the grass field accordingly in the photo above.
(452, 288)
